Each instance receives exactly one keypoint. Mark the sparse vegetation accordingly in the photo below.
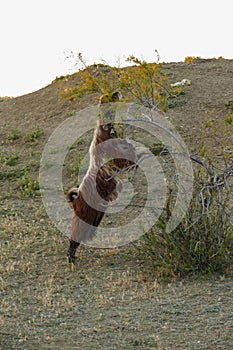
(172, 103)
(14, 134)
(191, 59)
(142, 81)
(12, 174)
(5, 98)
(229, 120)
(203, 241)
(34, 134)
(29, 187)
(74, 170)
(9, 159)
(230, 104)
(116, 297)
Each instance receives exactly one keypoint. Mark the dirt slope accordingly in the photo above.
(110, 300)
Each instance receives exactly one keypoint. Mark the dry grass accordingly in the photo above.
(111, 299)
(107, 301)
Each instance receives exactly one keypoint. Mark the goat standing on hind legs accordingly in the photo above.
(102, 182)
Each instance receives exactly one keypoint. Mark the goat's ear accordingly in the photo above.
(116, 96)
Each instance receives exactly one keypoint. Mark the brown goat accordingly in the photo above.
(102, 182)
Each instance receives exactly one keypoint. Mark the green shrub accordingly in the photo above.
(14, 134)
(34, 134)
(172, 103)
(12, 174)
(229, 120)
(11, 159)
(29, 187)
(230, 105)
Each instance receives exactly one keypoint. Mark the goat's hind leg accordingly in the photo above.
(72, 250)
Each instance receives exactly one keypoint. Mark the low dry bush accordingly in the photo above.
(203, 241)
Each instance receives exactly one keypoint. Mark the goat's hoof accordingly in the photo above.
(71, 257)
(71, 251)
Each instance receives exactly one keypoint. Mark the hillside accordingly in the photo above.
(208, 94)
(111, 300)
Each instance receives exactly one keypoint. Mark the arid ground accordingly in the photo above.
(111, 299)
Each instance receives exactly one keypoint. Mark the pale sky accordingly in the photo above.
(35, 35)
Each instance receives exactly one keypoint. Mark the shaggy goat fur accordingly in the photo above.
(102, 182)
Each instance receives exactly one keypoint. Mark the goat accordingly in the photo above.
(102, 182)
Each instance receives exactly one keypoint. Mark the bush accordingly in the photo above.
(203, 241)
(28, 186)
(230, 105)
(143, 81)
(9, 159)
(14, 134)
(34, 134)
(191, 59)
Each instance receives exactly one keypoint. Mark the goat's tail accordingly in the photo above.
(72, 194)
